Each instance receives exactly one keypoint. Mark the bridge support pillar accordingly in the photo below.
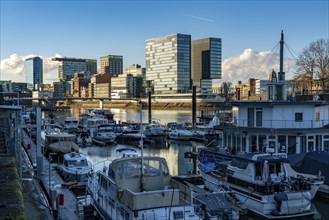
(101, 104)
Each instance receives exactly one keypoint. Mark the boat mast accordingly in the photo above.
(141, 146)
(281, 73)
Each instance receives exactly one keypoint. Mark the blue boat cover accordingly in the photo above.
(311, 163)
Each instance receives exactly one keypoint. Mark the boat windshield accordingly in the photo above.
(77, 163)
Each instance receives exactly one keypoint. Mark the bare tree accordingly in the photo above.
(313, 63)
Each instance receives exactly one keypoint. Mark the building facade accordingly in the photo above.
(127, 86)
(68, 66)
(168, 63)
(112, 64)
(100, 86)
(33, 72)
(59, 89)
(139, 75)
(206, 62)
(80, 85)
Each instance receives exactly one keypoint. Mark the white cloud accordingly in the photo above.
(13, 68)
(249, 64)
(254, 64)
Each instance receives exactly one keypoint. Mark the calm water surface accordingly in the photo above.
(172, 150)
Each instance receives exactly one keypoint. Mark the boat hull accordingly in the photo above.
(266, 205)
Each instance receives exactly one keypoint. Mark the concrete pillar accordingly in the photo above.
(284, 92)
(247, 144)
(101, 104)
(257, 142)
(298, 147)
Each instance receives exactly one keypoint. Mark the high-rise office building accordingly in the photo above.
(68, 66)
(206, 62)
(33, 72)
(112, 64)
(168, 63)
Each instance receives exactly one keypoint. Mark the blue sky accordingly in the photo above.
(90, 29)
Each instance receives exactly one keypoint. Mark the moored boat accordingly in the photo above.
(137, 188)
(265, 184)
(74, 167)
(105, 135)
(178, 132)
(71, 124)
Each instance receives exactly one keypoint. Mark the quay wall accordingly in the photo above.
(11, 197)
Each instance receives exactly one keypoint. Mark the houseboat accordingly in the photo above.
(265, 183)
(280, 122)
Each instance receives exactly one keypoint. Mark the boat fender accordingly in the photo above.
(278, 199)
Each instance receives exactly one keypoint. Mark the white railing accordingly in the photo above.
(280, 123)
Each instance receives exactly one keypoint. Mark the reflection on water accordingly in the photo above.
(121, 115)
(173, 151)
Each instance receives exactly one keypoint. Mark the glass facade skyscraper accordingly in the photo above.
(68, 66)
(112, 64)
(168, 63)
(33, 72)
(206, 62)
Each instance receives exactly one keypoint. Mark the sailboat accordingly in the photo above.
(137, 187)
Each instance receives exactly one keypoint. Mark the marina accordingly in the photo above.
(173, 150)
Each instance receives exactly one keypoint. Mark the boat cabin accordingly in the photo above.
(127, 173)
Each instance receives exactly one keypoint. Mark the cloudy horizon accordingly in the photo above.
(249, 64)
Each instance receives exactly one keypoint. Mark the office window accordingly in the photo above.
(298, 117)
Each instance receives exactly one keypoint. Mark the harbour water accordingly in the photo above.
(172, 150)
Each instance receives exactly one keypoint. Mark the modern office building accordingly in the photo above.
(127, 86)
(33, 72)
(112, 64)
(100, 86)
(206, 63)
(68, 66)
(139, 75)
(168, 63)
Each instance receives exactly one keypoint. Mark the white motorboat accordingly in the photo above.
(91, 124)
(178, 132)
(137, 188)
(74, 167)
(104, 135)
(71, 124)
(265, 183)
